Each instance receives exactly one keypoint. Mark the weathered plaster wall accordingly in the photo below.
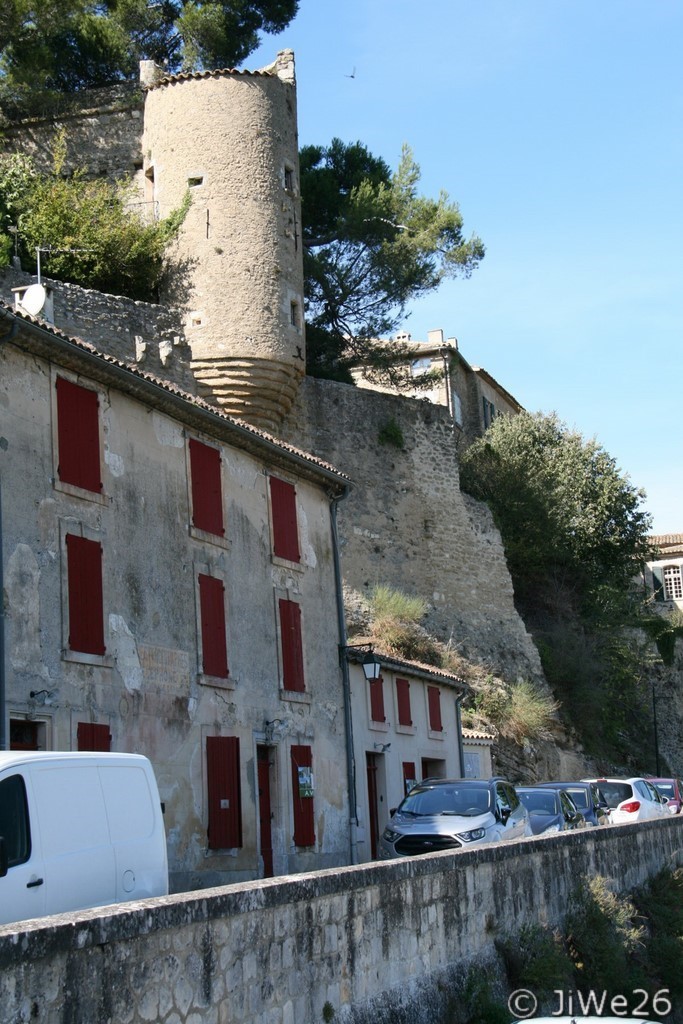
(380, 943)
(407, 524)
(149, 687)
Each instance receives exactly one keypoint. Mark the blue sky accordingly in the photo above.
(557, 127)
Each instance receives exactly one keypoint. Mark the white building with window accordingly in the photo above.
(406, 727)
(663, 575)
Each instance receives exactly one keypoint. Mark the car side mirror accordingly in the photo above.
(392, 811)
(4, 863)
(504, 814)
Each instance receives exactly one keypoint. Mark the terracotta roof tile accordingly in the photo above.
(172, 389)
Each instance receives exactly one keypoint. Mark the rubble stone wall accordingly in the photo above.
(379, 943)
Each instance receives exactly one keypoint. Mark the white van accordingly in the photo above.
(78, 830)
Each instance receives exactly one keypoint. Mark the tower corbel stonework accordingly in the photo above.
(230, 139)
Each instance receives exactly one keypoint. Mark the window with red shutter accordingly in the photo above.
(92, 736)
(292, 646)
(403, 701)
(302, 795)
(224, 792)
(78, 436)
(285, 528)
(409, 776)
(84, 576)
(434, 700)
(377, 700)
(207, 492)
(212, 617)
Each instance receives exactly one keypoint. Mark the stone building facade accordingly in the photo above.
(170, 589)
(472, 396)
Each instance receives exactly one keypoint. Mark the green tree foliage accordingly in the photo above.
(88, 230)
(575, 535)
(565, 510)
(67, 45)
(372, 244)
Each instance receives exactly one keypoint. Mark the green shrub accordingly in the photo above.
(388, 603)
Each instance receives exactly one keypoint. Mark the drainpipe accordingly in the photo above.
(3, 712)
(3, 686)
(346, 684)
(458, 726)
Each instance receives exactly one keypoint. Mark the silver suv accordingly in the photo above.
(448, 814)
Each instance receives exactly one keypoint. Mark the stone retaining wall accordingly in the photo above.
(374, 942)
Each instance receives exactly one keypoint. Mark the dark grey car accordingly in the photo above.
(587, 797)
(550, 810)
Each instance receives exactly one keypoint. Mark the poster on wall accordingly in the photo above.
(305, 781)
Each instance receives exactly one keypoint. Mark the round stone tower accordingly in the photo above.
(229, 138)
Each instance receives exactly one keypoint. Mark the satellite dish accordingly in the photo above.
(33, 299)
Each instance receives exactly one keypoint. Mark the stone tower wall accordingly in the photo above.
(407, 524)
(231, 138)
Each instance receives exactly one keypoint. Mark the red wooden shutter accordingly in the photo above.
(78, 436)
(86, 616)
(403, 701)
(207, 495)
(434, 699)
(224, 792)
(377, 700)
(304, 831)
(292, 647)
(212, 616)
(408, 775)
(285, 530)
(92, 736)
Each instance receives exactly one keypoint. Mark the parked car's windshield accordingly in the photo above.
(666, 788)
(539, 801)
(462, 800)
(579, 796)
(615, 792)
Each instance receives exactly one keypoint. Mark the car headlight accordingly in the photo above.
(390, 835)
(472, 835)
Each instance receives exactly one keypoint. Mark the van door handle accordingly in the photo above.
(34, 883)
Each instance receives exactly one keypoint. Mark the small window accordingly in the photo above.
(292, 646)
(294, 314)
(84, 574)
(434, 704)
(224, 795)
(673, 583)
(196, 181)
(285, 527)
(78, 436)
(403, 701)
(14, 820)
(92, 736)
(409, 776)
(289, 179)
(212, 619)
(302, 795)
(207, 492)
(377, 700)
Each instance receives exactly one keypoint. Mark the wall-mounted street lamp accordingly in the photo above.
(372, 667)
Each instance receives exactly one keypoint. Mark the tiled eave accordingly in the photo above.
(45, 341)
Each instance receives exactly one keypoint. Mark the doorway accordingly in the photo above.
(373, 809)
(264, 764)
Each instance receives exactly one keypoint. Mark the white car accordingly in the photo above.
(631, 800)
